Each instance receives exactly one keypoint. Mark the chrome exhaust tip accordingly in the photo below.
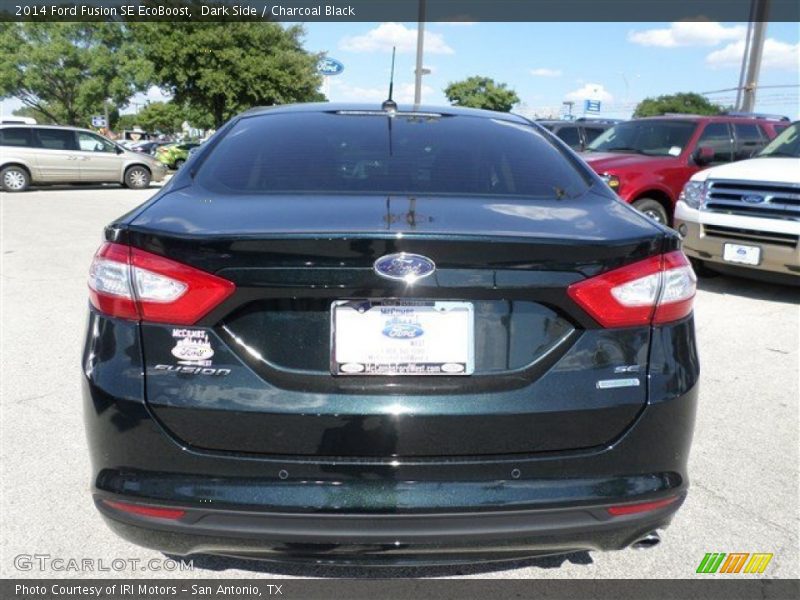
(651, 540)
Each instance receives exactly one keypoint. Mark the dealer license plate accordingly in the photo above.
(402, 338)
(737, 253)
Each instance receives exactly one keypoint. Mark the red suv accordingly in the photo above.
(647, 161)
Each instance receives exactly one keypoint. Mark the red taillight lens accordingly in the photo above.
(130, 283)
(632, 509)
(154, 512)
(656, 290)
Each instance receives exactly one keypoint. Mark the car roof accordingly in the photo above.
(709, 118)
(37, 126)
(333, 107)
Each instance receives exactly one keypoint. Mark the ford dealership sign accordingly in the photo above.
(330, 66)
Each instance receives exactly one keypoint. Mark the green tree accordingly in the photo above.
(685, 103)
(481, 92)
(222, 68)
(67, 71)
(29, 111)
(165, 117)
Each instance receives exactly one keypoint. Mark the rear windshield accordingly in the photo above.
(16, 136)
(315, 152)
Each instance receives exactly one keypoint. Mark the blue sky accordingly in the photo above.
(546, 63)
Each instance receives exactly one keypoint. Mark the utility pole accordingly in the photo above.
(420, 46)
(753, 55)
(743, 70)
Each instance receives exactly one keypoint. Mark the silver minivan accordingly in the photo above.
(44, 155)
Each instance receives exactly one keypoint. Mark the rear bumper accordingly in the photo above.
(391, 510)
(391, 539)
(159, 172)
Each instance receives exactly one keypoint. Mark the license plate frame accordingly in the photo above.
(398, 327)
(741, 254)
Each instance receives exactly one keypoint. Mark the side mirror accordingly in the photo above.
(118, 150)
(704, 155)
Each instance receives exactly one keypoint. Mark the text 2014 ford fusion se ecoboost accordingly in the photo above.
(350, 334)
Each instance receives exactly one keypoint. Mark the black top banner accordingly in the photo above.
(396, 10)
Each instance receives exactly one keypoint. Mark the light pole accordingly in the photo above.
(626, 99)
(418, 71)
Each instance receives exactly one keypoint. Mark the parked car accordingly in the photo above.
(744, 218)
(647, 161)
(444, 339)
(44, 154)
(578, 133)
(148, 147)
(174, 155)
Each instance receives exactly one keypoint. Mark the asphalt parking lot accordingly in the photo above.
(744, 463)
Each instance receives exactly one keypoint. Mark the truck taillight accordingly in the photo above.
(129, 283)
(656, 290)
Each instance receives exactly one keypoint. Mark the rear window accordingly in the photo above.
(57, 139)
(747, 132)
(592, 133)
(569, 135)
(376, 154)
(15, 136)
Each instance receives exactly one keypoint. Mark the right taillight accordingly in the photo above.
(656, 290)
(130, 283)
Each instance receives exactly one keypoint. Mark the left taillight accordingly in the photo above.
(129, 283)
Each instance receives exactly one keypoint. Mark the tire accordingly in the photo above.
(653, 209)
(137, 178)
(178, 164)
(14, 179)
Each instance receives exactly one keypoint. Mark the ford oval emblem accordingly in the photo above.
(753, 199)
(329, 66)
(403, 331)
(404, 267)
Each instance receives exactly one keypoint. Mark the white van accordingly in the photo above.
(44, 154)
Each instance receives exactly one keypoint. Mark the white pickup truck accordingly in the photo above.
(743, 218)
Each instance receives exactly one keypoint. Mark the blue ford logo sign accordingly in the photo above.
(330, 66)
(404, 267)
(753, 199)
(402, 331)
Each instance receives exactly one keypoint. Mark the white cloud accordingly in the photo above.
(386, 35)
(590, 91)
(777, 55)
(688, 33)
(544, 72)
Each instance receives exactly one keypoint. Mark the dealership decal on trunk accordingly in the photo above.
(193, 347)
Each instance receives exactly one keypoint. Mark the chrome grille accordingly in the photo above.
(768, 200)
(748, 235)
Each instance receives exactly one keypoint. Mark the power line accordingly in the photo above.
(760, 87)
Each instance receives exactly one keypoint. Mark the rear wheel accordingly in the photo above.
(653, 209)
(137, 178)
(179, 163)
(14, 179)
